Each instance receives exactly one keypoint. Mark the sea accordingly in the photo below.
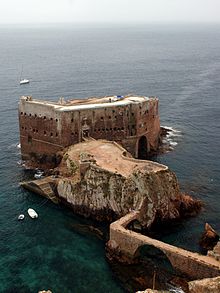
(180, 64)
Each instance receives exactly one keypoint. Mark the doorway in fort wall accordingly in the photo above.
(85, 129)
(142, 148)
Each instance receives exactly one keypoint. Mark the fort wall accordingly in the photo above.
(46, 127)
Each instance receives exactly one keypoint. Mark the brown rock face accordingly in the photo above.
(209, 238)
(189, 206)
(205, 286)
(100, 181)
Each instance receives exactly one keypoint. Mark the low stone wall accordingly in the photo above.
(194, 265)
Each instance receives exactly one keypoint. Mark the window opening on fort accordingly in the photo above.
(29, 139)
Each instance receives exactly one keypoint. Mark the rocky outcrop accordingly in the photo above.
(189, 206)
(101, 180)
(215, 252)
(211, 285)
(209, 238)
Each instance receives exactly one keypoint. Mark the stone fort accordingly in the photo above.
(48, 127)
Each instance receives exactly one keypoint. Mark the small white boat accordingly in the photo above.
(21, 217)
(32, 213)
(24, 81)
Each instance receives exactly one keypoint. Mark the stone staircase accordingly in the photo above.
(45, 187)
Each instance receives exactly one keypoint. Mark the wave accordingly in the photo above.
(14, 146)
(21, 163)
(169, 128)
(171, 137)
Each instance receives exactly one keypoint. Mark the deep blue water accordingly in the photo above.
(179, 64)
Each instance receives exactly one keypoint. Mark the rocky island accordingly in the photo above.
(94, 152)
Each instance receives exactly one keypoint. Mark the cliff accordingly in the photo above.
(100, 179)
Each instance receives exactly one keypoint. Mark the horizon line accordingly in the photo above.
(111, 23)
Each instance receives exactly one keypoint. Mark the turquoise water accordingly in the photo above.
(181, 65)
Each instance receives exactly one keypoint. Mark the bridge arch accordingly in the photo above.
(156, 256)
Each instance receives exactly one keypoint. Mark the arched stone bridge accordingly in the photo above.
(194, 265)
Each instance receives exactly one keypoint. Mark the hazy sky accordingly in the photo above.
(23, 11)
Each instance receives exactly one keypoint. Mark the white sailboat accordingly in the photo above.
(23, 81)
